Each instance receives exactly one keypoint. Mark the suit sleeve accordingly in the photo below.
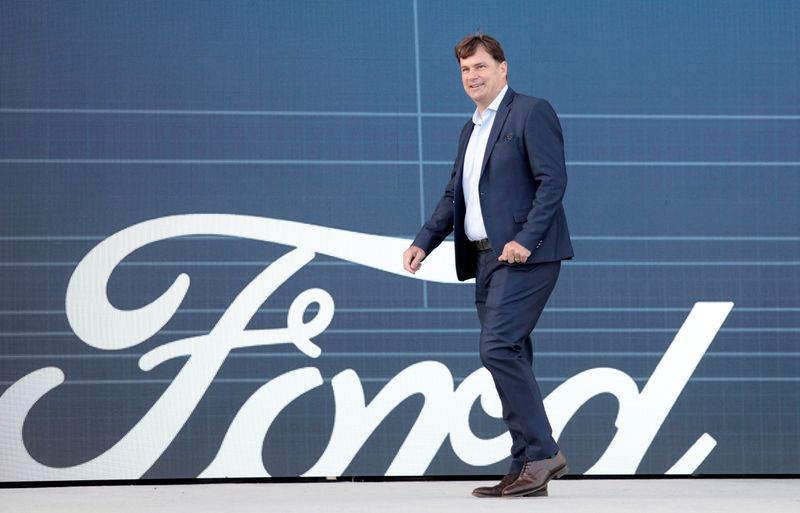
(440, 224)
(544, 144)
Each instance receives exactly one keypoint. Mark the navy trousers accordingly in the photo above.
(510, 299)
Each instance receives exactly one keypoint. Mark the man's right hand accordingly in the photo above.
(412, 259)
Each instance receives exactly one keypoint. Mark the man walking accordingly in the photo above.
(504, 205)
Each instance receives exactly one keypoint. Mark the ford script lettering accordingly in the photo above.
(446, 408)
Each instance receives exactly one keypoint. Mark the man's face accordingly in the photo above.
(483, 77)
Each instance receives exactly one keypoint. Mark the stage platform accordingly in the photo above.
(589, 495)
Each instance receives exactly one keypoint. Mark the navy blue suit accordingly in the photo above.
(521, 187)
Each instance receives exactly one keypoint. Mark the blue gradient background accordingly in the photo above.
(681, 121)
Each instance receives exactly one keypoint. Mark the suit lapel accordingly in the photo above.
(497, 126)
(466, 132)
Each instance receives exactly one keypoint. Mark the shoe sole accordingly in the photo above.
(538, 493)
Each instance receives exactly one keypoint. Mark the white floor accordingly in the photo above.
(595, 496)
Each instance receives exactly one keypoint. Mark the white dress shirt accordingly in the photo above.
(473, 161)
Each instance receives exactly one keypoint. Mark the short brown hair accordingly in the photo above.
(469, 45)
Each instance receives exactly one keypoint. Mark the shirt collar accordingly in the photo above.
(476, 117)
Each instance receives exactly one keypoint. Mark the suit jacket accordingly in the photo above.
(522, 183)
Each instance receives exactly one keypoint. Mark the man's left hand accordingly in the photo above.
(514, 253)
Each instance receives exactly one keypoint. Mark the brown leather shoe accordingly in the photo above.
(497, 490)
(535, 476)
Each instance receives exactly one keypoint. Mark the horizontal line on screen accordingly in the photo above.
(323, 162)
(224, 112)
(409, 354)
(570, 263)
(471, 310)
(200, 263)
(687, 117)
(546, 379)
(465, 115)
(601, 238)
(406, 331)
(682, 264)
(683, 163)
(688, 238)
(245, 162)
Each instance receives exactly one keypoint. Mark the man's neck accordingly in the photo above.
(482, 108)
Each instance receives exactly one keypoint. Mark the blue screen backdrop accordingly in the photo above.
(681, 121)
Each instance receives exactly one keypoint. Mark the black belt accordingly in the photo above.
(483, 244)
